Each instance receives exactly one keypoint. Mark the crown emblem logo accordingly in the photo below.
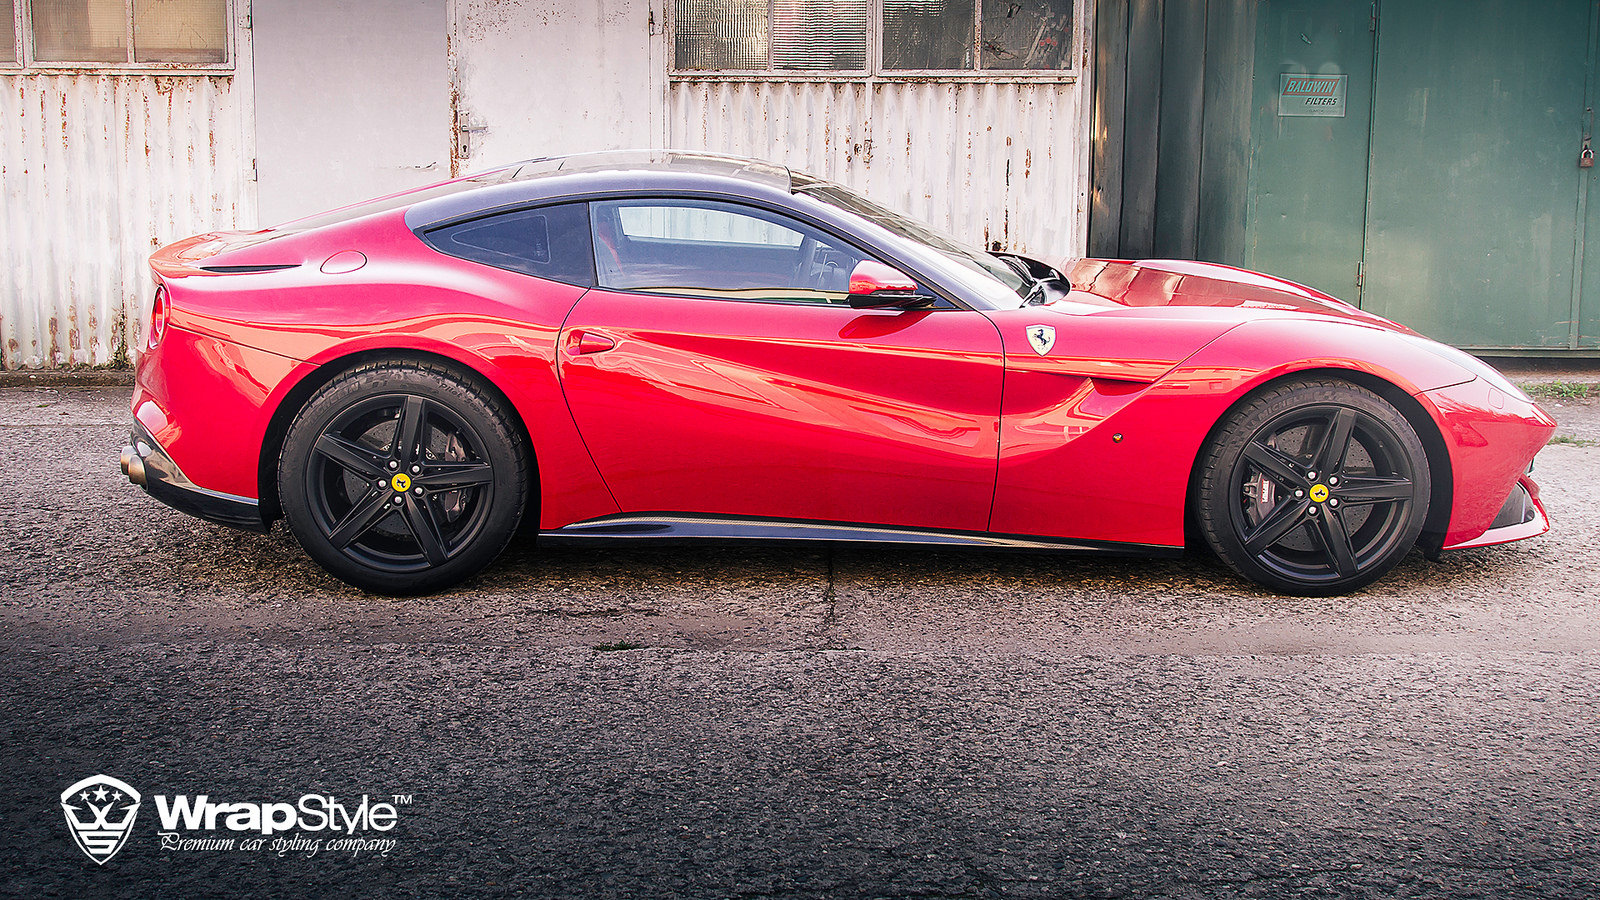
(100, 811)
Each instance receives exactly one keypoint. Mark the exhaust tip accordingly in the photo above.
(133, 465)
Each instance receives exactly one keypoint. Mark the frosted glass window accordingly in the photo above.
(1027, 34)
(832, 35)
(182, 31)
(8, 33)
(770, 35)
(927, 34)
(807, 34)
(80, 31)
(185, 32)
(720, 34)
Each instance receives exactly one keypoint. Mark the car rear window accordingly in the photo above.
(548, 242)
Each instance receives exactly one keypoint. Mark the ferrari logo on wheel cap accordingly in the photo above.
(1319, 492)
(1042, 338)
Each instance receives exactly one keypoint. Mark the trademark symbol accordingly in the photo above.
(401, 799)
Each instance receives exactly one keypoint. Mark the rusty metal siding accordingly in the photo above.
(95, 172)
(991, 162)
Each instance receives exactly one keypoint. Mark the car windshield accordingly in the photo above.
(982, 263)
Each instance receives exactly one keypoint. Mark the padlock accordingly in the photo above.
(1586, 159)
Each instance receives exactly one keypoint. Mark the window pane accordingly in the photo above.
(819, 34)
(1027, 34)
(552, 242)
(187, 31)
(702, 225)
(720, 34)
(910, 228)
(8, 33)
(927, 34)
(717, 250)
(80, 31)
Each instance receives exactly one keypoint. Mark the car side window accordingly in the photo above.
(707, 248)
(548, 242)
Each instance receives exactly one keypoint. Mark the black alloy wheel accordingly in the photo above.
(1313, 487)
(403, 478)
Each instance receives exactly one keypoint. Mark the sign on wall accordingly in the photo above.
(1311, 95)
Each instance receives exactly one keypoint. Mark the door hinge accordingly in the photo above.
(1361, 275)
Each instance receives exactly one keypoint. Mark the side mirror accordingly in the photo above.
(874, 285)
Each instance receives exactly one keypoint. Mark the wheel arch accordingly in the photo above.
(301, 392)
(1440, 476)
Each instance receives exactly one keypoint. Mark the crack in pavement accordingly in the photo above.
(830, 613)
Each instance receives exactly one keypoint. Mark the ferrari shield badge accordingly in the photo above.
(100, 811)
(1042, 338)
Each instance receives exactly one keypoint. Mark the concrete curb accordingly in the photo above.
(67, 378)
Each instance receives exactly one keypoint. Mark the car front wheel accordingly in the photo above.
(403, 477)
(1313, 487)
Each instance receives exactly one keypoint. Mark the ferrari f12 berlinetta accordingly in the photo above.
(664, 345)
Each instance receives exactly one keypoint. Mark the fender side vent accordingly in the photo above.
(244, 270)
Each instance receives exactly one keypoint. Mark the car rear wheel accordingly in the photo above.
(403, 477)
(1313, 487)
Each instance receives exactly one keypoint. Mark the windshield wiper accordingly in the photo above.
(1035, 284)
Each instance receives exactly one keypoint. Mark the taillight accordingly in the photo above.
(158, 316)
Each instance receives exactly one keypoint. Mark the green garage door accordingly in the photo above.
(1428, 168)
(1473, 203)
(1308, 152)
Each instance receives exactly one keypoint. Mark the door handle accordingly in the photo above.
(584, 342)
(1586, 154)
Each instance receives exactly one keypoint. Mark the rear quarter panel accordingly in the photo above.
(406, 297)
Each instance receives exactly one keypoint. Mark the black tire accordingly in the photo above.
(403, 516)
(1313, 487)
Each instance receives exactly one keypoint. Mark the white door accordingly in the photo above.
(553, 77)
(352, 101)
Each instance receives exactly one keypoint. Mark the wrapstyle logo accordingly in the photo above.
(100, 812)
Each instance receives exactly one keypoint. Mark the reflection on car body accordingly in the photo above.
(663, 345)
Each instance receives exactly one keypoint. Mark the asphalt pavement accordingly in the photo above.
(807, 722)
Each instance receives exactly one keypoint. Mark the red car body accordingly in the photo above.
(652, 415)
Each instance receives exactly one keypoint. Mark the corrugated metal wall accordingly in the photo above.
(989, 162)
(96, 171)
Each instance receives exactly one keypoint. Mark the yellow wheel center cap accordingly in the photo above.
(1319, 492)
(402, 483)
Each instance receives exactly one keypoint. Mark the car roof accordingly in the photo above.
(550, 177)
(589, 174)
(686, 161)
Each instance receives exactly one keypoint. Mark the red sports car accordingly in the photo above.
(662, 345)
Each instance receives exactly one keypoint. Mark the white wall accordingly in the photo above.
(339, 102)
(993, 164)
(352, 101)
(96, 171)
(546, 77)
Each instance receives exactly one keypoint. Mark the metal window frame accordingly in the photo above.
(875, 72)
(9, 66)
(27, 64)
